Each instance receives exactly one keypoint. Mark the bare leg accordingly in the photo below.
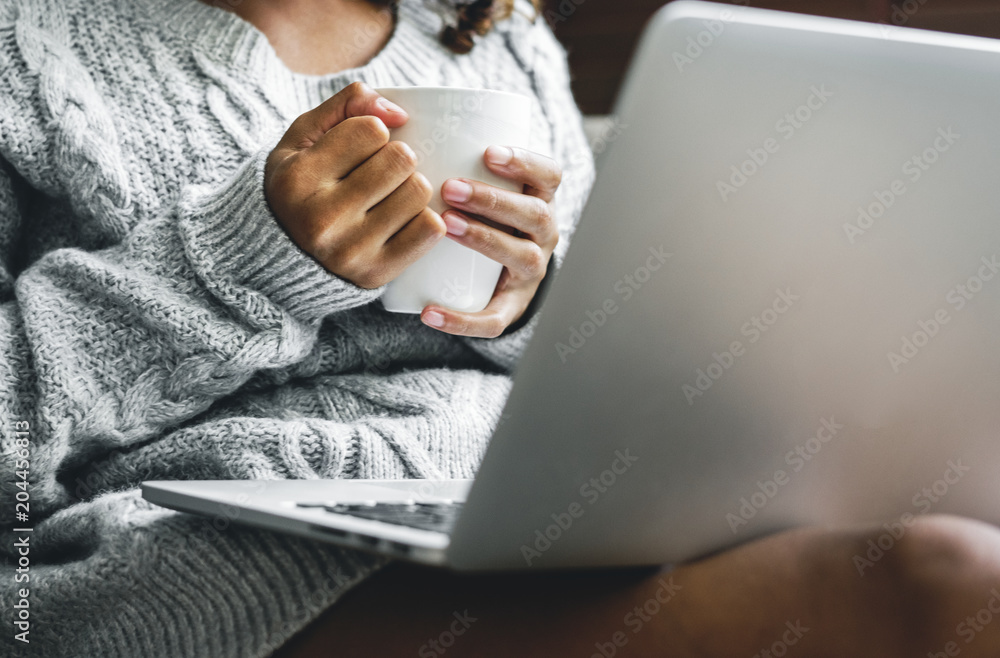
(798, 592)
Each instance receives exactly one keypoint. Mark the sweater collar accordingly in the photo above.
(237, 45)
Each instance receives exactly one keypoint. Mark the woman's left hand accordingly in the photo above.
(516, 229)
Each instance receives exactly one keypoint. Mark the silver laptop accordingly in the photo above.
(781, 307)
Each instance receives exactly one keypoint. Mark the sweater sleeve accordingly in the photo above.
(545, 58)
(239, 252)
(103, 349)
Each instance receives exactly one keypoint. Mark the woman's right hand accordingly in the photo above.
(348, 196)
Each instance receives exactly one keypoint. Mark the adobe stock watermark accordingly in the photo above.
(697, 44)
(625, 288)
(758, 156)
(454, 291)
(797, 458)
(334, 579)
(753, 329)
(956, 299)
(19, 454)
(971, 626)
(611, 129)
(561, 13)
(439, 646)
(901, 14)
(456, 112)
(924, 500)
(591, 491)
(209, 529)
(637, 618)
(912, 170)
(363, 36)
(793, 633)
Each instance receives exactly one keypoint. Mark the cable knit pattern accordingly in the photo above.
(85, 143)
(157, 323)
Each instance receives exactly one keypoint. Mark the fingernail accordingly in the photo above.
(389, 106)
(457, 191)
(499, 155)
(456, 225)
(434, 319)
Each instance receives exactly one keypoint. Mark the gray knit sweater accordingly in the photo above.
(157, 323)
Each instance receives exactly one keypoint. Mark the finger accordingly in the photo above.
(370, 263)
(541, 173)
(528, 214)
(415, 239)
(490, 322)
(525, 259)
(378, 176)
(402, 205)
(354, 100)
(346, 146)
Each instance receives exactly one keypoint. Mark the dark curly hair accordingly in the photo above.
(475, 17)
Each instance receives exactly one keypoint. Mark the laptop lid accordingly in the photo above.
(780, 306)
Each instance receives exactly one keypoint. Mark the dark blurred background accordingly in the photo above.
(600, 34)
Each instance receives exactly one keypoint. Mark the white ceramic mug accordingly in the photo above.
(449, 129)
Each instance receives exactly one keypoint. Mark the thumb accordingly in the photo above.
(356, 99)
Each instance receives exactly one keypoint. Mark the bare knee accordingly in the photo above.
(943, 569)
(939, 545)
(939, 555)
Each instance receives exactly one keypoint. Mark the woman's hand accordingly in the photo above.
(516, 229)
(348, 196)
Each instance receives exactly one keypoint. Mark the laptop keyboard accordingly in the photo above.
(437, 517)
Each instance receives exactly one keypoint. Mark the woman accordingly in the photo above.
(199, 207)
